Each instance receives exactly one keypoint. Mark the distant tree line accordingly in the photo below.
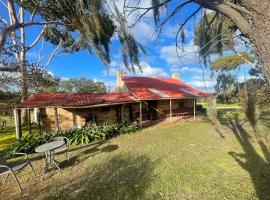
(43, 82)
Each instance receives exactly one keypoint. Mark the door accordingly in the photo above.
(152, 110)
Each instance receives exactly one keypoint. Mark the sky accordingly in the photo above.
(160, 60)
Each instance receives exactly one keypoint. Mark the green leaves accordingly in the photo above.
(231, 62)
(76, 136)
(226, 88)
(81, 85)
(214, 34)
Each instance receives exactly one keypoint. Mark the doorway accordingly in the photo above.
(152, 110)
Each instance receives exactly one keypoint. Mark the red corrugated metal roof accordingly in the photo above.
(142, 88)
(75, 99)
(139, 87)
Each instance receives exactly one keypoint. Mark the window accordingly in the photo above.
(105, 109)
(181, 104)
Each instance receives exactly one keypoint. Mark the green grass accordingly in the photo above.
(223, 105)
(181, 161)
(8, 136)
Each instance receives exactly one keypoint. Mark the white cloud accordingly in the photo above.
(113, 63)
(50, 73)
(147, 70)
(188, 55)
(200, 83)
(144, 32)
(64, 78)
(242, 78)
(176, 68)
(170, 31)
(144, 29)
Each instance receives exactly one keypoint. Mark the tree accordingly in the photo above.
(40, 81)
(56, 29)
(249, 17)
(226, 88)
(81, 85)
(227, 63)
(69, 25)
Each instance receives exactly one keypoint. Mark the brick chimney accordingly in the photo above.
(120, 85)
(175, 76)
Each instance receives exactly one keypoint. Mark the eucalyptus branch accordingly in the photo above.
(3, 20)
(236, 7)
(148, 8)
(9, 29)
(8, 68)
(4, 4)
(177, 9)
(53, 53)
(37, 39)
(33, 14)
(212, 21)
(12, 12)
(246, 60)
(40, 52)
(182, 26)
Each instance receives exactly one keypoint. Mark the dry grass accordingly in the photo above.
(181, 161)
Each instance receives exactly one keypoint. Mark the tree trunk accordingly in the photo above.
(23, 78)
(260, 35)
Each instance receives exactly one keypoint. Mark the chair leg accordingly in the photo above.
(67, 155)
(15, 178)
(32, 168)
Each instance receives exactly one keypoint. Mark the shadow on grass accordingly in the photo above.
(257, 166)
(265, 118)
(90, 151)
(124, 176)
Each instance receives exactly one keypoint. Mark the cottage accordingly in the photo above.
(136, 99)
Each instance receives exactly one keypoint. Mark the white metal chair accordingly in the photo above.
(64, 148)
(12, 168)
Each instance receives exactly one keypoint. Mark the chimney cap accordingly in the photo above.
(175, 76)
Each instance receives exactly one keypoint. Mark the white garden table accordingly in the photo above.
(48, 149)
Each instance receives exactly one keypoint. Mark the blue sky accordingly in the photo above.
(160, 60)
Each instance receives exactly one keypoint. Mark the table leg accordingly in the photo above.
(54, 162)
(46, 165)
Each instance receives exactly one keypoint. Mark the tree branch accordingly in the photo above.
(177, 9)
(12, 13)
(8, 68)
(7, 30)
(40, 52)
(236, 7)
(182, 25)
(37, 39)
(33, 15)
(53, 53)
(218, 5)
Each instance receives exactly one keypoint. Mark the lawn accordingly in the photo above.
(180, 161)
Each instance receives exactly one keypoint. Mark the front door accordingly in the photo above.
(152, 110)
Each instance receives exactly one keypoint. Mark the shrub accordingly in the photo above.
(76, 136)
(127, 128)
(29, 143)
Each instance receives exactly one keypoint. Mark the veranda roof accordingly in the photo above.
(75, 99)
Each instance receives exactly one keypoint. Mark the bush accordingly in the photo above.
(127, 128)
(76, 136)
(29, 143)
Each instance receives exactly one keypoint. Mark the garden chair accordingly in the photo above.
(7, 169)
(64, 148)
